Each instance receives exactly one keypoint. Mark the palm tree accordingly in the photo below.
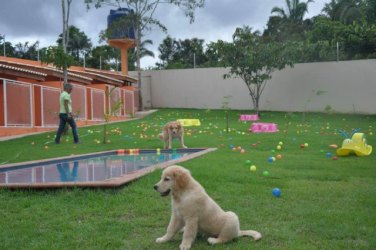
(288, 24)
(78, 43)
(345, 11)
(295, 11)
(132, 56)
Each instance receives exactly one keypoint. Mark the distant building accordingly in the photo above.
(30, 90)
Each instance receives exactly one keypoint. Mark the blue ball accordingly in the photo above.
(276, 192)
(270, 159)
(328, 154)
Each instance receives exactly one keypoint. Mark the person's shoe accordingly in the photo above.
(56, 142)
(78, 142)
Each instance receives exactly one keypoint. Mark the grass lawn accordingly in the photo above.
(325, 203)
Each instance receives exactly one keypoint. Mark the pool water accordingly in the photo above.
(90, 169)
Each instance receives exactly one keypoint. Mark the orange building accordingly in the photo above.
(30, 90)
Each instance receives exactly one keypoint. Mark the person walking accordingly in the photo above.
(65, 114)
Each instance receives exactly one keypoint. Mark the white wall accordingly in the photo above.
(350, 87)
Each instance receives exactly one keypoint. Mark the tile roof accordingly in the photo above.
(22, 70)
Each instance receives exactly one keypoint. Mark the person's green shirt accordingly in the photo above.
(65, 96)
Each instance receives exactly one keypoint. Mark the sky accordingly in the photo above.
(41, 20)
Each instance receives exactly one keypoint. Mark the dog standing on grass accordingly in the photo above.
(194, 211)
(172, 130)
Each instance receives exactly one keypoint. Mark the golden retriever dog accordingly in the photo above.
(194, 211)
(172, 130)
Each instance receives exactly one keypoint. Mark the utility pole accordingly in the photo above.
(194, 60)
(337, 51)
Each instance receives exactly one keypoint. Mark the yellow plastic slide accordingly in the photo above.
(357, 144)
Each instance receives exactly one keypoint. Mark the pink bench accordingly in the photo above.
(258, 127)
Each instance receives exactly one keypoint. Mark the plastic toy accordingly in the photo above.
(357, 145)
(189, 122)
(276, 192)
(244, 118)
(264, 127)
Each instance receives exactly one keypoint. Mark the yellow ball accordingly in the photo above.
(279, 147)
(253, 168)
(305, 144)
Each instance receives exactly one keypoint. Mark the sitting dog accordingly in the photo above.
(194, 211)
(172, 130)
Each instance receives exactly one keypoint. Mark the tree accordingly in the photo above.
(253, 60)
(289, 24)
(167, 50)
(346, 11)
(63, 57)
(103, 57)
(6, 48)
(132, 56)
(58, 54)
(26, 51)
(78, 44)
(295, 11)
(187, 53)
(369, 10)
(143, 19)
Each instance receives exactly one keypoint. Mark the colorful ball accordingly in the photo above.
(279, 147)
(247, 162)
(305, 144)
(265, 173)
(276, 192)
(253, 168)
(328, 154)
(279, 156)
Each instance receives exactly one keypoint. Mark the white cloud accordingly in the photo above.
(42, 20)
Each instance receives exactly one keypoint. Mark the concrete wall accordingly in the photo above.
(350, 86)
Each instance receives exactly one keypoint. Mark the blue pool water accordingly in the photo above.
(88, 169)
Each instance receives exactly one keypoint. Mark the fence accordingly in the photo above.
(346, 87)
(18, 104)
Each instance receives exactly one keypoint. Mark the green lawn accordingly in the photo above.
(325, 203)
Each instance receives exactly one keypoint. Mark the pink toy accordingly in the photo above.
(263, 127)
(249, 117)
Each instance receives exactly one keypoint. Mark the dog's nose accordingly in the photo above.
(155, 187)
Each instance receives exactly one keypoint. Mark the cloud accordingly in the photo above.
(41, 20)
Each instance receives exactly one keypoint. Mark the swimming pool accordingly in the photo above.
(105, 169)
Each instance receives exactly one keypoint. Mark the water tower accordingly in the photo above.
(121, 34)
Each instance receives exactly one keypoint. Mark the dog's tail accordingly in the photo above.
(255, 235)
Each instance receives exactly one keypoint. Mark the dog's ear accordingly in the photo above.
(181, 178)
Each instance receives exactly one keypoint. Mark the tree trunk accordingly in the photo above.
(138, 57)
(65, 35)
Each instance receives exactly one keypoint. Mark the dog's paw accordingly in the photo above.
(184, 246)
(212, 240)
(257, 236)
(161, 239)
